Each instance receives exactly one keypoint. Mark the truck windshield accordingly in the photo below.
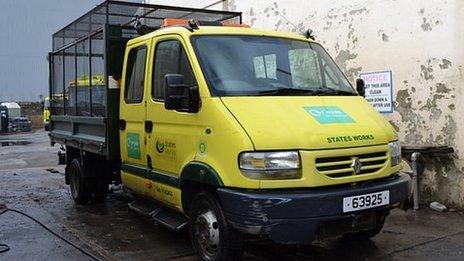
(257, 65)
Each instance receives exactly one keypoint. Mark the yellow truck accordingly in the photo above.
(231, 132)
(46, 113)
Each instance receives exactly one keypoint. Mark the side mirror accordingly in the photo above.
(178, 96)
(361, 87)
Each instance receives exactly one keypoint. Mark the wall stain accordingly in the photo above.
(427, 71)
(384, 37)
(445, 64)
(357, 11)
(252, 15)
(395, 126)
(341, 59)
(441, 88)
(426, 25)
(450, 129)
(410, 120)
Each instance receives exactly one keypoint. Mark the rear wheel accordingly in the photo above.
(81, 188)
(210, 234)
(87, 181)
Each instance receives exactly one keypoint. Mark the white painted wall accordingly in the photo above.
(422, 42)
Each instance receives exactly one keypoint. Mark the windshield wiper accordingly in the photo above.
(322, 91)
(288, 90)
(326, 91)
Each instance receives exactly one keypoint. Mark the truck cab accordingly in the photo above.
(263, 122)
(240, 133)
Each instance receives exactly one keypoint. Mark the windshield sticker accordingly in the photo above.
(328, 114)
(133, 145)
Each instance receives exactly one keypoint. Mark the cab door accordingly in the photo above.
(175, 136)
(132, 119)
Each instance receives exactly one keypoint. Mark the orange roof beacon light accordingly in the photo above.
(174, 21)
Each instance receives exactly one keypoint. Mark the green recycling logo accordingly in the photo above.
(202, 148)
(159, 146)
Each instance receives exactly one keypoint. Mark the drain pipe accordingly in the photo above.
(415, 179)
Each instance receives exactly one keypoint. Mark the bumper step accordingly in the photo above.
(164, 216)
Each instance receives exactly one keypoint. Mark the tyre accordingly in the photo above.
(81, 188)
(100, 190)
(367, 234)
(211, 237)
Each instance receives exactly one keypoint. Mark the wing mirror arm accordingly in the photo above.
(361, 87)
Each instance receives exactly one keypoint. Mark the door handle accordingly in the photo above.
(122, 124)
(148, 126)
(149, 164)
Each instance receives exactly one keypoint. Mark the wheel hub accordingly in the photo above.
(207, 232)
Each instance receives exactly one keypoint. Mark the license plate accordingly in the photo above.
(366, 201)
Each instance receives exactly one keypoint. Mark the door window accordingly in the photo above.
(135, 75)
(170, 58)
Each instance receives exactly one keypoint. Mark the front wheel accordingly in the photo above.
(210, 234)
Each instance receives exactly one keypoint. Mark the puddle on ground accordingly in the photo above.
(5, 143)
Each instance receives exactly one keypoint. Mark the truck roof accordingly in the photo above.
(126, 14)
(219, 30)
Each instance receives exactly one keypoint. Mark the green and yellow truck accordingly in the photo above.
(46, 113)
(229, 131)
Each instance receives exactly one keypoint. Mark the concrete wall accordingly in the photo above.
(420, 41)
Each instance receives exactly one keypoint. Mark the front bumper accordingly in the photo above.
(298, 215)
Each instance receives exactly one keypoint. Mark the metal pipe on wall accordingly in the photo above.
(415, 179)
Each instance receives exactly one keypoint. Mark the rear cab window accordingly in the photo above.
(135, 74)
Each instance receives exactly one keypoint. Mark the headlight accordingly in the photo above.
(395, 153)
(270, 165)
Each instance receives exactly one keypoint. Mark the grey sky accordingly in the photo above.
(26, 27)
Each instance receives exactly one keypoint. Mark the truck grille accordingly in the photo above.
(341, 166)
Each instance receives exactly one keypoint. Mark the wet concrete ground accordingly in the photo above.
(30, 181)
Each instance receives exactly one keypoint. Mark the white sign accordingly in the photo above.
(379, 90)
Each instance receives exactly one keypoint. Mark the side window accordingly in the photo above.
(170, 57)
(304, 68)
(135, 75)
(265, 66)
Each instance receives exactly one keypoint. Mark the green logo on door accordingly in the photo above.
(159, 146)
(133, 145)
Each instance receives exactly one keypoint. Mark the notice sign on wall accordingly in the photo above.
(379, 90)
